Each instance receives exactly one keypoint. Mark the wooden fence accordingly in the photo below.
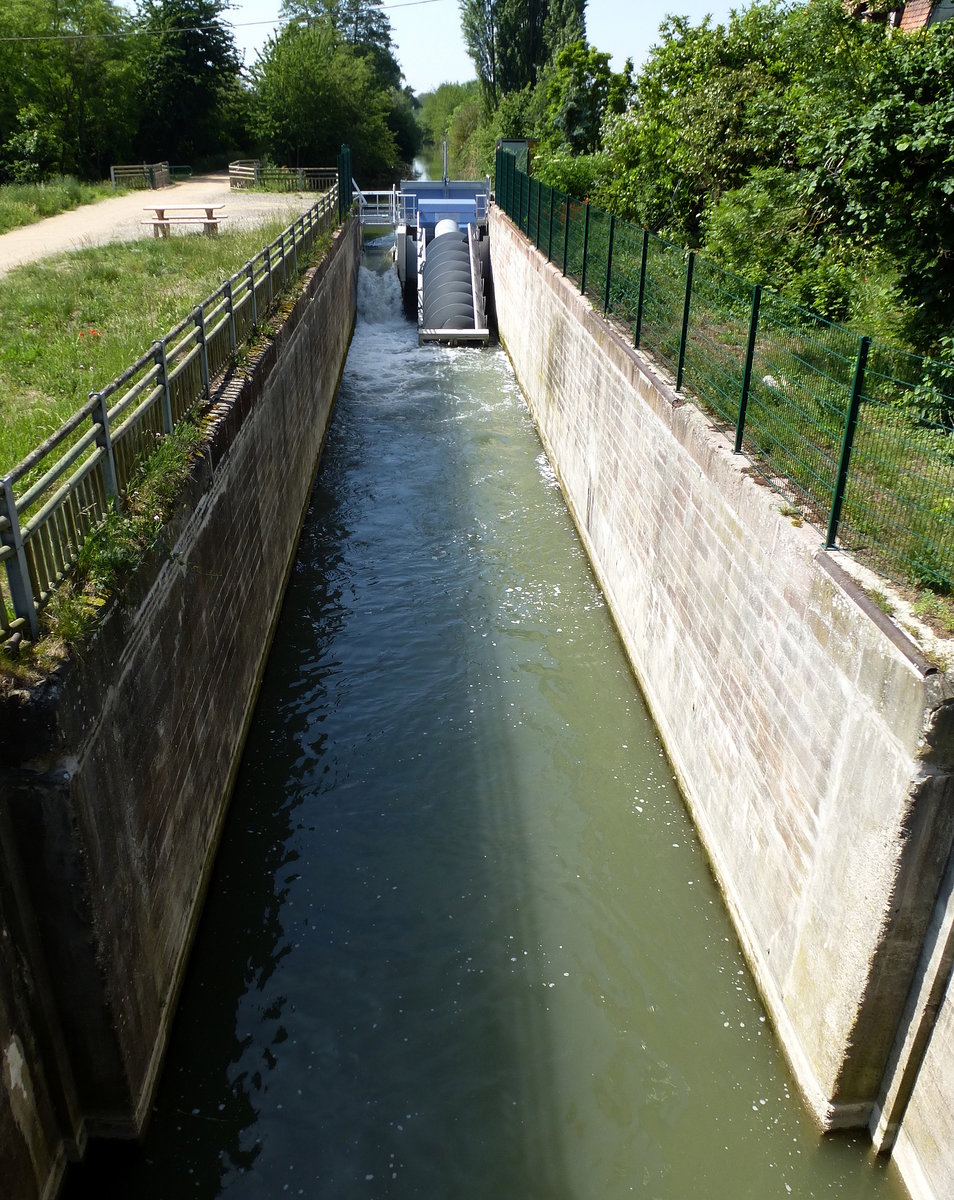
(250, 173)
(141, 175)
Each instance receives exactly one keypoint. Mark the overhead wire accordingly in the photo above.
(143, 32)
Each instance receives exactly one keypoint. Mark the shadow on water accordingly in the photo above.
(461, 941)
(353, 1023)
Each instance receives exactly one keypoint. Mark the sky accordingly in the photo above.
(431, 50)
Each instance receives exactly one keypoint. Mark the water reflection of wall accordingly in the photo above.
(813, 742)
(115, 793)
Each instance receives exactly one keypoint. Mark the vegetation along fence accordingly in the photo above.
(141, 175)
(250, 172)
(66, 487)
(858, 432)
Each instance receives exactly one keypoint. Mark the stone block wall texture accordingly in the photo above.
(115, 776)
(813, 745)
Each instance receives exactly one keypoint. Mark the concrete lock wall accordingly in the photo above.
(917, 1104)
(814, 745)
(115, 775)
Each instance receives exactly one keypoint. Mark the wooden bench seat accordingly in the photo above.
(164, 215)
(160, 225)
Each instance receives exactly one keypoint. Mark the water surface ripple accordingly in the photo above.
(461, 943)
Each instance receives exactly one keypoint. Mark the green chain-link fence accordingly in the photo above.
(861, 432)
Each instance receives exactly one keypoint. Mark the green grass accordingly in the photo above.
(937, 611)
(24, 203)
(80, 321)
(69, 325)
(119, 545)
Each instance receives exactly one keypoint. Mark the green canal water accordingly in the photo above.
(462, 943)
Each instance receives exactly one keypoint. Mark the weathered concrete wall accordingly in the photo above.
(40, 1123)
(115, 777)
(924, 1150)
(813, 744)
(917, 1104)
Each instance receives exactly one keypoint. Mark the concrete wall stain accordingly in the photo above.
(812, 741)
(115, 779)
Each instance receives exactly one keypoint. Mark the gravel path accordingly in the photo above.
(120, 219)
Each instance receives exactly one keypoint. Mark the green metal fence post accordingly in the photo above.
(609, 264)
(511, 184)
(18, 571)
(539, 203)
(566, 231)
(638, 328)
(684, 336)
(511, 181)
(847, 441)
(586, 243)
(749, 358)
(511, 173)
(550, 234)
(345, 175)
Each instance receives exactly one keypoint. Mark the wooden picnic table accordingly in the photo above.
(208, 215)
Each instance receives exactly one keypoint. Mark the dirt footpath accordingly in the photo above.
(120, 219)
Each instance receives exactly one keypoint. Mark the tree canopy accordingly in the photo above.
(311, 87)
(511, 41)
(104, 85)
(189, 68)
(66, 103)
(805, 148)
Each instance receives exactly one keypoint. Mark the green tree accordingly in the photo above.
(365, 25)
(68, 104)
(478, 21)
(886, 169)
(361, 23)
(314, 91)
(190, 71)
(403, 123)
(511, 41)
(804, 148)
(709, 105)
(436, 109)
(580, 89)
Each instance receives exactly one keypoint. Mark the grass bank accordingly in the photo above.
(25, 203)
(71, 324)
(76, 323)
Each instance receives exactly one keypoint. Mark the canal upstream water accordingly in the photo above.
(461, 942)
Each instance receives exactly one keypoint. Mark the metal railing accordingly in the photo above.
(52, 499)
(392, 207)
(859, 432)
